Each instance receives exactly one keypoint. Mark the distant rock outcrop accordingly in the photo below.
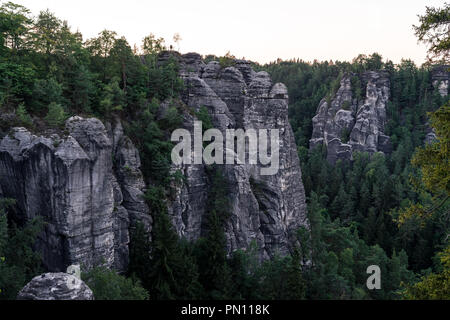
(77, 182)
(344, 123)
(264, 209)
(440, 76)
(56, 286)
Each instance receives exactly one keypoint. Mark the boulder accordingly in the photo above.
(56, 286)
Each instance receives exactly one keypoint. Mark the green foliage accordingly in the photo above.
(372, 62)
(171, 119)
(432, 160)
(435, 286)
(18, 262)
(434, 30)
(340, 258)
(203, 115)
(228, 60)
(139, 249)
(346, 105)
(14, 24)
(152, 46)
(56, 115)
(23, 116)
(296, 285)
(345, 135)
(211, 249)
(112, 98)
(153, 146)
(357, 87)
(166, 265)
(108, 285)
(164, 81)
(16, 83)
(352, 207)
(46, 92)
(43, 62)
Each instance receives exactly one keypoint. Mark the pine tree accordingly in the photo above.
(23, 116)
(172, 273)
(56, 115)
(18, 262)
(108, 285)
(139, 248)
(215, 273)
(295, 284)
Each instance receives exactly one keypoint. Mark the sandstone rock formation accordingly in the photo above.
(265, 209)
(56, 286)
(87, 184)
(77, 183)
(440, 77)
(344, 125)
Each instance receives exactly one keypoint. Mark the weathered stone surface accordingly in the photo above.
(264, 209)
(344, 124)
(440, 76)
(430, 134)
(127, 164)
(74, 270)
(56, 286)
(86, 201)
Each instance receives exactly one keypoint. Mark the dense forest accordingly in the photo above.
(362, 213)
(365, 197)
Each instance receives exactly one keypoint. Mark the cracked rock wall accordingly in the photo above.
(344, 125)
(265, 209)
(77, 183)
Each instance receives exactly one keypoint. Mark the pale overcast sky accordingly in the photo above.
(257, 30)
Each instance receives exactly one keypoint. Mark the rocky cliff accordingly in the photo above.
(344, 123)
(264, 209)
(86, 183)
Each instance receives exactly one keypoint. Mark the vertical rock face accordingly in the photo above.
(87, 202)
(264, 209)
(344, 125)
(440, 76)
(88, 186)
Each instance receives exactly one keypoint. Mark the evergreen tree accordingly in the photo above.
(23, 116)
(108, 285)
(56, 115)
(211, 250)
(18, 262)
(295, 284)
(172, 271)
(139, 248)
